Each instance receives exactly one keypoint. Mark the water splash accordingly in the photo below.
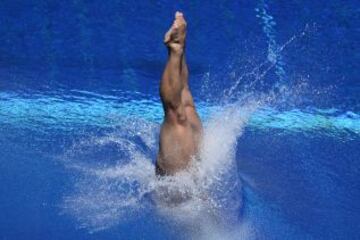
(274, 56)
(254, 76)
(117, 186)
(113, 172)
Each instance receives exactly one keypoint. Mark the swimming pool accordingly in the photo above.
(274, 82)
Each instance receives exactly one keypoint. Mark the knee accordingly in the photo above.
(177, 114)
(181, 114)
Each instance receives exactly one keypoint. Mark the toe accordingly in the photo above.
(178, 14)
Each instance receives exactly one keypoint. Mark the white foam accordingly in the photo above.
(107, 194)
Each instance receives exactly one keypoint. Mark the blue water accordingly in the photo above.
(275, 83)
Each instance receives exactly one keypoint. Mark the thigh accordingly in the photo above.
(193, 118)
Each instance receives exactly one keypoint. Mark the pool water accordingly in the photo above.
(275, 84)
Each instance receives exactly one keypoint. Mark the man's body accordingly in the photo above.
(181, 130)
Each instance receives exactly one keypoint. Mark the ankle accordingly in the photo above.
(175, 49)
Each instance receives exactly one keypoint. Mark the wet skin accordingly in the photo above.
(181, 129)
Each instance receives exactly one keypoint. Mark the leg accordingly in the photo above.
(175, 92)
(172, 82)
(187, 98)
(179, 136)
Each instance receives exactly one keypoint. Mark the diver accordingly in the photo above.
(181, 130)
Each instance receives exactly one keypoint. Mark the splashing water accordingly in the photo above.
(116, 181)
(274, 55)
(116, 188)
(122, 185)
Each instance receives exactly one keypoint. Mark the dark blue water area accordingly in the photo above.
(73, 73)
(319, 191)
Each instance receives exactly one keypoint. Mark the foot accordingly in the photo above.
(175, 37)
